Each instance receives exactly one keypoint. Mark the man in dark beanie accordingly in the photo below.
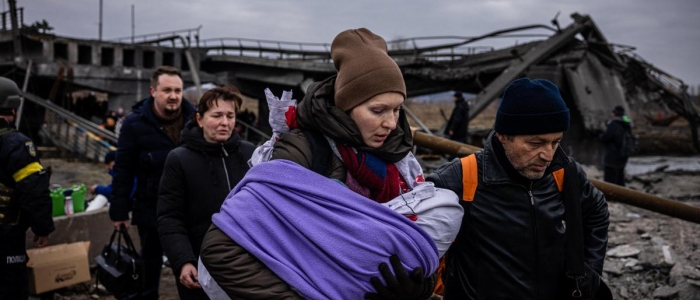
(458, 125)
(616, 139)
(512, 242)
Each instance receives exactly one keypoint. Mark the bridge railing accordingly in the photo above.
(267, 48)
(181, 38)
(438, 48)
(72, 133)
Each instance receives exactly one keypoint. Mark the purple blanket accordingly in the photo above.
(318, 236)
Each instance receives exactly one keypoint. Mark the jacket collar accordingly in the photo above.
(495, 173)
(192, 137)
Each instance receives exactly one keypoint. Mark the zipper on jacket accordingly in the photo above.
(223, 162)
(228, 181)
(535, 241)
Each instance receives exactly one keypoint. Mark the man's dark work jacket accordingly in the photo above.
(459, 121)
(612, 138)
(142, 149)
(512, 239)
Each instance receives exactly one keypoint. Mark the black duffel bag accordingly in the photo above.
(120, 267)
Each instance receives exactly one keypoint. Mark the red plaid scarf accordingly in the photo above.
(383, 181)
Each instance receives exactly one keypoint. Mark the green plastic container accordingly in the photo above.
(59, 202)
(79, 198)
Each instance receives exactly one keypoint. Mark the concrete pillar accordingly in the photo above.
(47, 50)
(96, 54)
(138, 57)
(118, 56)
(158, 58)
(73, 52)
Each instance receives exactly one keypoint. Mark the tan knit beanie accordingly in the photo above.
(364, 68)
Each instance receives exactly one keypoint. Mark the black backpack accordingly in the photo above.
(629, 145)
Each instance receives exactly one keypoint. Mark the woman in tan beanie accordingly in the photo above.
(352, 130)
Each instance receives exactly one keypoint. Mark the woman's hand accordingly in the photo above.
(188, 276)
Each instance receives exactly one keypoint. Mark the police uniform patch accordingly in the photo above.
(30, 148)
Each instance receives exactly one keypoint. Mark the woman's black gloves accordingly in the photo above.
(401, 284)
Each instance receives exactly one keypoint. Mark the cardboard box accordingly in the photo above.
(58, 266)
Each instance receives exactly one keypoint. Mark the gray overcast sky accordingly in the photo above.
(666, 33)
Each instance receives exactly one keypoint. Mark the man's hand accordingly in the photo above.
(451, 132)
(118, 224)
(93, 188)
(399, 286)
(188, 276)
(41, 241)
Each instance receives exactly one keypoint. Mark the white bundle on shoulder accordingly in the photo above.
(282, 118)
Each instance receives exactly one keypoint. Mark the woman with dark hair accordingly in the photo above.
(196, 179)
(318, 220)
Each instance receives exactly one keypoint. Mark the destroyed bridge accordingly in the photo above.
(593, 74)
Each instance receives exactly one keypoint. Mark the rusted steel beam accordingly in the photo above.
(649, 202)
(442, 145)
(612, 192)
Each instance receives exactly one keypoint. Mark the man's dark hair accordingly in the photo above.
(225, 93)
(164, 70)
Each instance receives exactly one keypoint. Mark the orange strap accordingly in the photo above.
(440, 285)
(559, 179)
(470, 180)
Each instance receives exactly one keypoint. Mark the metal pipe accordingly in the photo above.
(612, 192)
(416, 119)
(27, 74)
(100, 25)
(649, 202)
(442, 145)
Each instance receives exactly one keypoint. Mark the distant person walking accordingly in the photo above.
(24, 198)
(196, 179)
(147, 136)
(615, 157)
(457, 127)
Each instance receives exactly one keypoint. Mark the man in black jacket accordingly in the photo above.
(614, 161)
(457, 127)
(147, 136)
(24, 198)
(512, 241)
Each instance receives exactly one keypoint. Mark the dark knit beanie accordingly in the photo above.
(110, 156)
(531, 107)
(618, 111)
(364, 68)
